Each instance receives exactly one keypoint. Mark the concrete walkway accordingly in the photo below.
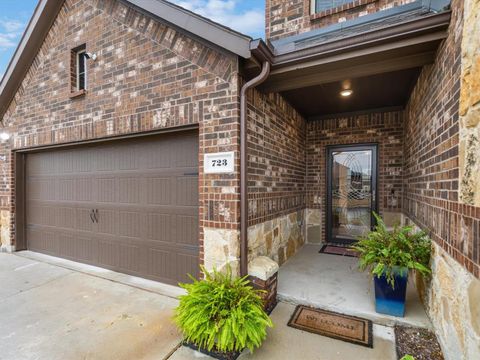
(51, 312)
(286, 343)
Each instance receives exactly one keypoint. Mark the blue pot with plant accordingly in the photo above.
(389, 255)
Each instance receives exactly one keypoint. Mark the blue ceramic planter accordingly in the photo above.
(391, 301)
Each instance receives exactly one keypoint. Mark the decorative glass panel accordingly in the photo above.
(351, 193)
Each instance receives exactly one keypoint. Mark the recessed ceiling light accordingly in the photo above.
(346, 92)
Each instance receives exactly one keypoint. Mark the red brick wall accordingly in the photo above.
(286, 18)
(432, 155)
(276, 162)
(147, 77)
(382, 128)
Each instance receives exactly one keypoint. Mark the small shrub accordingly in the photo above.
(383, 251)
(408, 357)
(222, 312)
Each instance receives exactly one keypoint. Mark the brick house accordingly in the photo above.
(148, 140)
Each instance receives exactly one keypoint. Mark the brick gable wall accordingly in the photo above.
(287, 18)
(147, 76)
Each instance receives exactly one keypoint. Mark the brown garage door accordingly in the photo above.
(130, 205)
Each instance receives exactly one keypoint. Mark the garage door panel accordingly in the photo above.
(105, 160)
(66, 190)
(158, 227)
(83, 219)
(107, 222)
(145, 192)
(36, 214)
(132, 258)
(167, 265)
(159, 190)
(129, 190)
(64, 162)
(186, 190)
(106, 189)
(129, 160)
(109, 253)
(67, 240)
(186, 227)
(159, 156)
(43, 240)
(131, 223)
(83, 189)
(82, 160)
(40, 188)
(86, 248)
(185, 147)
(65, 217)
(187, 264)
(49, 215)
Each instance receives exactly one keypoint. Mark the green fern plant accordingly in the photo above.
(383, 252)
(222, 312)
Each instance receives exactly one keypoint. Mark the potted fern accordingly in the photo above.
(389, 255)
(221, 315)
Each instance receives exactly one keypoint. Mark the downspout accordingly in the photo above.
(244, 165)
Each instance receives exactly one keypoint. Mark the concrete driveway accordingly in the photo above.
(53, 312)
(52, 309)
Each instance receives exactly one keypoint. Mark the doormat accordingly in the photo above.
(337, 326)
(338, 250)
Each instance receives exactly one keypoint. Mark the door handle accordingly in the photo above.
(92, 217)
(95, 215)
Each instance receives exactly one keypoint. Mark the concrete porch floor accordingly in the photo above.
(333, 282)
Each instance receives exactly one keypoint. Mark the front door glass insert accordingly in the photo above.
(351, 192)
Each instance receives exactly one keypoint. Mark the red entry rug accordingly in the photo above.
(338, 250)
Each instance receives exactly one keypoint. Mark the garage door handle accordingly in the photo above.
(191, 174)
(95, 215)
(92, 216)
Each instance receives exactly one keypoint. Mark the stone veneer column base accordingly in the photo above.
(263, 274)
(452, 299)
(221, 248)
(279, 238)
(5, 241)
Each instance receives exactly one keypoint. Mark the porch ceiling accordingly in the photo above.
(380, 62)
(371, 92)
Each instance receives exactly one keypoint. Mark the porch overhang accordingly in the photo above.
(406, 45)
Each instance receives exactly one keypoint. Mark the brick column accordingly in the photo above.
(263, 274)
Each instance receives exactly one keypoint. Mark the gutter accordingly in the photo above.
(263, 54)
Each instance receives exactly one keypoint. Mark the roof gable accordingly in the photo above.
(47, 10)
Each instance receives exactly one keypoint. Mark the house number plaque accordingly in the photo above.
(219, 163)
